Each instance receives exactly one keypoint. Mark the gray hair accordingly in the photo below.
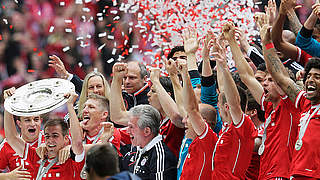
(148, 117)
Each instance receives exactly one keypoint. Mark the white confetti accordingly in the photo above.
(89, 36)
(16, 1)
(5, 21)
(78, 2)
(135, 46)
(51, 29)
(101, 47)
(39, 13)
(62, 3)
(102, 34)
(80, 64)
(116, 18)
(87, 1)
(110, 60)
(85, 9)
(69, 21)
(110, 37)
(114, 50)
(68, 30)
(114, 2)
(130, 50)
(100, 18)
(66, 49)
(114, 12)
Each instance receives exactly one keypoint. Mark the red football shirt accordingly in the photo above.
(306, 161)
(11, 160)
(281, 137)
(68, 170)
(172, 135)
(234, 150)
(302, 57)
(198, 163)
(115, 139)
(253, 170)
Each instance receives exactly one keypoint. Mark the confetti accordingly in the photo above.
(31, 70)
(114, 50)
(62, 3)
(68, 30)
(5, 21)
(69, 21)
(78, 2)
(110, 60)
(101, 47)
(102, 34)
(110, 37)
(39, 13)
(16, 1)
(66, 49)
(85, 9)
(51, 29)
(80, 64)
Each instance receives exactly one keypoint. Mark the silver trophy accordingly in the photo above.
(38, 97)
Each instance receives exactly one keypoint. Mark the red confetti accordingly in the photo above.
(31, 70)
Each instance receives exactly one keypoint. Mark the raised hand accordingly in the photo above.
(42, 151)
(271, 11)
(155, 75)
(207, 44)
(244, 44)
(265, 34)
(182, 66)
(171, 67)
(108, 130)
(120, 70)
(191, 42)
(72, 97)
(228, 31)
(8, 92)
(261, 19)
(287, 5)
(57, 64)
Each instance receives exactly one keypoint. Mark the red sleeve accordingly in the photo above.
(246, 128)
(300, 100)
(302, 57)
(4, 162)
(116, 138)
(125, 137)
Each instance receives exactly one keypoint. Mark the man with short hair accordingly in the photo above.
(56, 138)
(149, 158)
(95, 112)
(102, 163)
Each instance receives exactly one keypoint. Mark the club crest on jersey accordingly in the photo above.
(144, 160)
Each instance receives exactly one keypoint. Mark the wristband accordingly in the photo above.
(269, 46)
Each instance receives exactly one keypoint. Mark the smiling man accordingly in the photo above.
(31, 134)
(56, 138)
(149, 157)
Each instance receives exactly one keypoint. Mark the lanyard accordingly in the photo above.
(264, 136)
(304, 124)
(41, 171)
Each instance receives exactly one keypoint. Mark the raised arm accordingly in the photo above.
(244, 69)
(177, 88)
(294, 22)
(190, 101)
(118, 112)
(275, 67)
(167, 103)
(75, 129)
(230, 88)
(12, 136)
(304, 39)
(288, 49)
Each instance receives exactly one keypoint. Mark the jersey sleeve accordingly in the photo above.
(30, 154)
(4, 162)
(246, 128)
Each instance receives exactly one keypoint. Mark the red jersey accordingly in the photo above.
(68, 170)
(281, 135)
(10, 160)
(234, 150)
(306, 161)
(252, 172)
(302, 57)
(172, 135)
(125, 137)
(198, 163)
(115, 139)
